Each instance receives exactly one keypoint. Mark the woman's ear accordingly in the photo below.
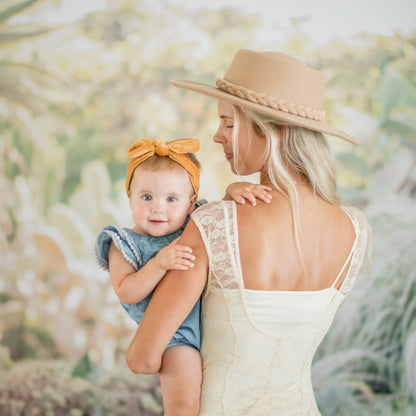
(257, 129)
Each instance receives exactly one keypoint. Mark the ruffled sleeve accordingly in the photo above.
(120, 237)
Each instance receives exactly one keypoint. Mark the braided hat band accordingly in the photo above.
(176, 150)
(271, 102)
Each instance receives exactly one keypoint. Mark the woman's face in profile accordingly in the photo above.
(251, 147)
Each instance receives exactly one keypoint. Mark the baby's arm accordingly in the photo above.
(242, 191)
(133, 286)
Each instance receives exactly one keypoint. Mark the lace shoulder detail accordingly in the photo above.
(217, 224)
(361, 228)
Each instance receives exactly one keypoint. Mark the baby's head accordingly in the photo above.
(162, 184)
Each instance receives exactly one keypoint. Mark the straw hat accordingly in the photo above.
(274, 84)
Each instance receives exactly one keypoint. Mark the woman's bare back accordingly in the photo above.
(269, 258)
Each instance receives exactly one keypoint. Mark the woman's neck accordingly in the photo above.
(265, 179)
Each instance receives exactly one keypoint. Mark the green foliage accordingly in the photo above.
(83, 368)
(13, 74)
(48, 389)
(15, 9)
(88, 370)
(5, 297)
(37, 342)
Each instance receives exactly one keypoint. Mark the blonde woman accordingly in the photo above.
(272, 276)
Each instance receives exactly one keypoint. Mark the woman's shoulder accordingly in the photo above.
(352, 210)
(356, 216)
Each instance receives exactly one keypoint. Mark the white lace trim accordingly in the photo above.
(360, 227)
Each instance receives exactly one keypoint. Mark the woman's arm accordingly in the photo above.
(172, 301)
(133, 286)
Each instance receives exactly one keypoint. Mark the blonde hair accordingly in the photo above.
(292, 154)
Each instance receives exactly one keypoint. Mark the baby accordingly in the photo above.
(162, 186)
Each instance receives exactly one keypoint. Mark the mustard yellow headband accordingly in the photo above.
(142, 149)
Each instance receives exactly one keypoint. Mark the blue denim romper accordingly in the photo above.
(138, 249)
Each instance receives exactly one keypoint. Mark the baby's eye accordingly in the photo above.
(171, 199)
(229, 126)
(146, 197)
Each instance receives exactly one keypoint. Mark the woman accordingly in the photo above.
(274, 275)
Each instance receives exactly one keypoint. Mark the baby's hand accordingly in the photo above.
(175, 257)
(242, 191)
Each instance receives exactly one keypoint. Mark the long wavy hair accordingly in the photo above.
(293, 154)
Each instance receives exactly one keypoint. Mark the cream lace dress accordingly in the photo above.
(258, 346)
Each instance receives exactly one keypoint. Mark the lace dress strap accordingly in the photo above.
(346, 261)
(357, 251)
(216, 224)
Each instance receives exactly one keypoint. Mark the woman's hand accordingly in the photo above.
(241, 192)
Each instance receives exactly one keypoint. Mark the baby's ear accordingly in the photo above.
(192, 204)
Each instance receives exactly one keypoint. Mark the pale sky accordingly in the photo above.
(327, 18)
(330, 17)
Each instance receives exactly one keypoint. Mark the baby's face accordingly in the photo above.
(160, 200)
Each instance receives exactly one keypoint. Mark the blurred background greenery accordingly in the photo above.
(76, 92)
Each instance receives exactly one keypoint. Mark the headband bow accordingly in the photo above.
(142, 149)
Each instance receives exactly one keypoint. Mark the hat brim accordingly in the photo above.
(215, 92)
